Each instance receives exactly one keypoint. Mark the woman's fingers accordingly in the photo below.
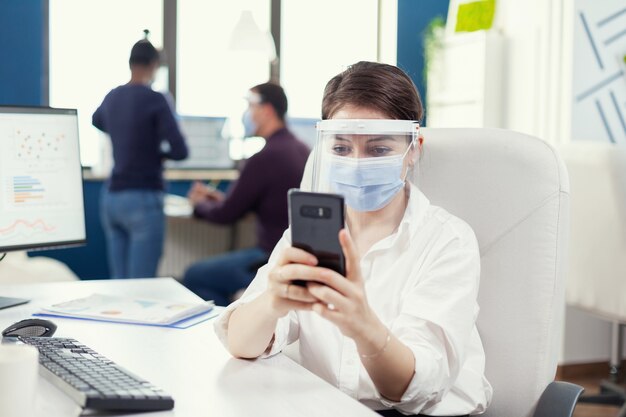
(297, 305)
(292, 272)
(297, 293)
(334, 280)
(333, 299)
(286, 274)
(324, 311)
(295, 255)
(353, 270)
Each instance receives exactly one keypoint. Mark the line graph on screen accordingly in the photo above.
(20, 228)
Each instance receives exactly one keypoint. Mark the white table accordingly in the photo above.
(190, 364)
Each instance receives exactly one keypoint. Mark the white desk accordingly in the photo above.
(190, 364)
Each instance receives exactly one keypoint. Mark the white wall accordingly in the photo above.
(538, 92)
(534, 90)
(558, 73)
(534, 66)
(587, 337)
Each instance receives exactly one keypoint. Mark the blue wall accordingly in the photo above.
(22, 26)
(88, 261)
(413, 19)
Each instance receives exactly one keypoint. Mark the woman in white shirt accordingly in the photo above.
(399, 331)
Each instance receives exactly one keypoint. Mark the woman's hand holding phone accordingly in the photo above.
(284, 295)
(334, 287)
(342, 300)
(337, 298)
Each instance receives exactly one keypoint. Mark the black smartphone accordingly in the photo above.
(315, 220)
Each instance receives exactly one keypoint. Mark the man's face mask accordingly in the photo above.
(249, 126)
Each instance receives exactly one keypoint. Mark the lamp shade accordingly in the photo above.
(247, 36)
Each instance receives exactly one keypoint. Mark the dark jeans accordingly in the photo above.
(134, 226)
(220, 277)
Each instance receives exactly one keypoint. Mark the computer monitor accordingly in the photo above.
(208, 148)
(41, 187)
(305, 129)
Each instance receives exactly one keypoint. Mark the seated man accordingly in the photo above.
(261, 188)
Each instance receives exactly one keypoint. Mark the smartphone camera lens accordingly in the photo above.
(316, 212)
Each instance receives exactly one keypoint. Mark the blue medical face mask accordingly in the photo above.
(367, 184)
(249, 126)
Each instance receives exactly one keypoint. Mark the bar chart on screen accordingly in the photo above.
(37, 190)
(27, 189)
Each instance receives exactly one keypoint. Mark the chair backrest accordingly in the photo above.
(513, 190)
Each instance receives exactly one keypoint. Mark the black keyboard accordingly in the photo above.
(94, 381)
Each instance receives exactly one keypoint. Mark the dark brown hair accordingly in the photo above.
(274, 95)
(375, 86)
(143, 54)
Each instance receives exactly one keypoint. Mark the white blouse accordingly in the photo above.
(422, 282)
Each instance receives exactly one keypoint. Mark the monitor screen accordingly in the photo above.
(41, 188)
(208, 148)
(305, 129)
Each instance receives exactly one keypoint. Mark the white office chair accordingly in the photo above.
(513, 190)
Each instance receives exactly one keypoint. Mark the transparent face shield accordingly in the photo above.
(365, 161)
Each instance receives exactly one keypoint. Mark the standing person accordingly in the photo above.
(141, 124)
(261, 189)
(398, 332)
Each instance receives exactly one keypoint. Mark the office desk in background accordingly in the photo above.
(190, 364)
(201, 238)
(190, 239)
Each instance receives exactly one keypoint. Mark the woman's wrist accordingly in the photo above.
(380, 351)
(374, 339)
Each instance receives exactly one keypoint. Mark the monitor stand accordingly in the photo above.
(6, 302)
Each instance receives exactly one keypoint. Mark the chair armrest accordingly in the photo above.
(558, 400)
